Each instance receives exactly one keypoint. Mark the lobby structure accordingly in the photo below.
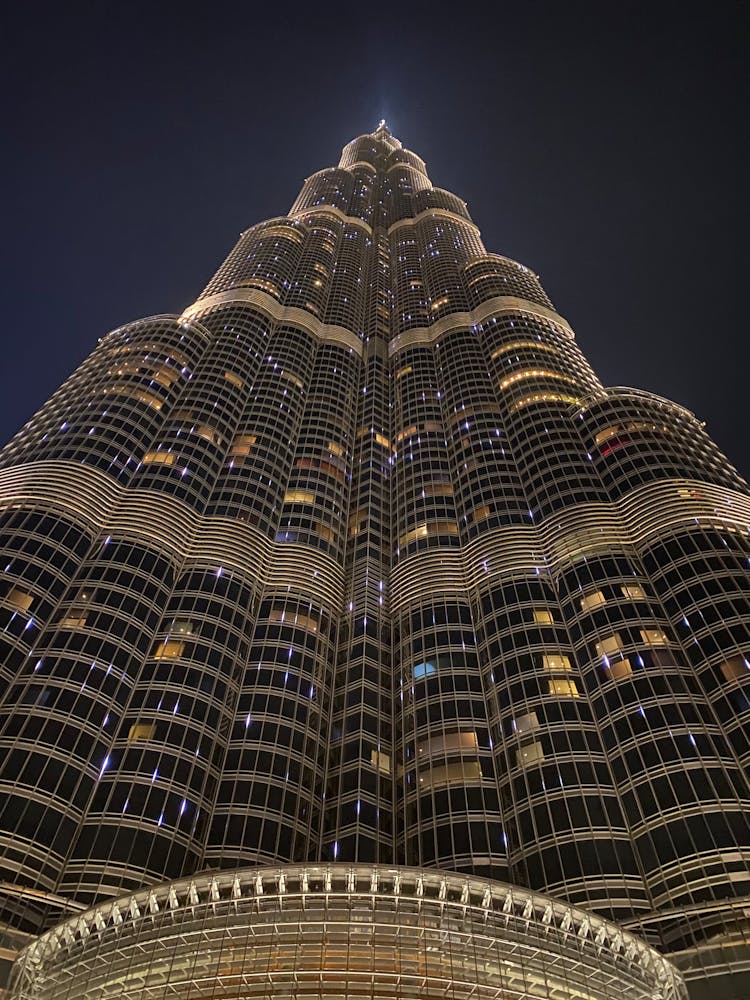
(356, 641)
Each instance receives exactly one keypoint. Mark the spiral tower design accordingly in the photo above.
(357, 563)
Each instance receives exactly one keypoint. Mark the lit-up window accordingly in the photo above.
(141, 732)
(170, 650)
(609, 646)
(654, 637)
(159, 458)
(542, 617)
(534, 373)
(242, 446)
(556, 661)
(526, 723)
(381, 761)
(532, 753)
(462, 773)
(234, 380)
(619, 670)
(19, 599)
(735, 668)
(423, 670)
(299, 496)
(634, 592)
(591, 601)
(430, 529)
(181, 627)
(563, 687)
(465, 742)
(544, 397)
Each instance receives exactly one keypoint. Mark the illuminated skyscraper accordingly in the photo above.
(355, 565)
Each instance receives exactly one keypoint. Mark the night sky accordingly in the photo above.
(603, 145)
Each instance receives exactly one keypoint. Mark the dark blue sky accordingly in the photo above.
(603, 145)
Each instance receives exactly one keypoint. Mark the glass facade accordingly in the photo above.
(357, 561)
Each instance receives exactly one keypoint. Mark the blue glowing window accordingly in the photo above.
(423, 670)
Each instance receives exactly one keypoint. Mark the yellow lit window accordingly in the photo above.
(452, 774)
(443, 301)
(429, 529)
(336, 449)
(140, 395)
(208, 433)
(169, 650)
(479, 513)
(324, 531)
(181, 627)
(242, 446)
(654, 637)
(609, 646)
(556, 662)
(75, 618)
(19, 599)
(517, 344)
(544, 397)
(234, 380)
(437, 490)
(563, 687)
(534, 373)
(159, 458)
(404, 371)
(165, 375)
(735, 668)
(406, 432)
(294, 379)
(591, 601)
(299, 496)
(607, 433)
(293, 619)
(532, 753)
(465, 742)
(634, 592)
(382, 440)
(620, 670)
(526, 723)
(141, 731)
(542, 617)
(263, 286)
(381, 761)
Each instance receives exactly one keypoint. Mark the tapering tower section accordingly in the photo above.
(356, 562)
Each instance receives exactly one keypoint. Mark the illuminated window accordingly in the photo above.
(556, 662)
(75, 618)
(517, 344)
(437, 490)
(140, 395)
(165, 375)
(299, 496)
(595, 600)
(534, 373)
(526, 723)
(609, 646)
(294, 379)
(141, 731)
(619, 670)
(443, 301)
(170, 650)
(159, 458)
(242, 446)
(19, 599)
(563, 687)
(324, 531)
(381, 761)
(544, 397)
(654, 637)
(181, 627)
(532, 753)
(423, 670)
(542, 617)
(452, 774)
(430, 529)
(293, 619)
(336, 449)
(208, 433)
(465, 742)
(735, 668)
(235, 380)
(634, 592)
(404, 371)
